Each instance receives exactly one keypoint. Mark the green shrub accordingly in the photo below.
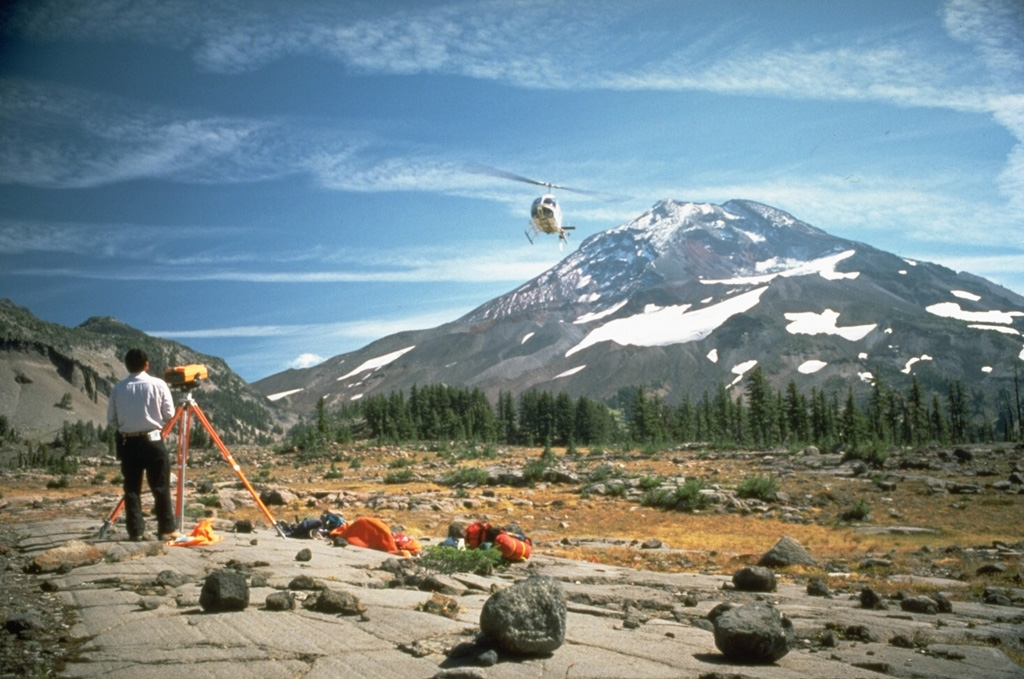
(466, 476)
(859, 511)
(400, 463)
(445, 559)
(59, 482)
(874, 454)
(651, 482)
(687, 497)
(759, 487)
(400, 476)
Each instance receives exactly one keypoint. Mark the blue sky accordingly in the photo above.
(276, 183)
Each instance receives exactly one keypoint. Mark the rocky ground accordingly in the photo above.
(942, 523)
(35, 640)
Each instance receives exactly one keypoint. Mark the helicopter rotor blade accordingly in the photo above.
(503, 174)
(479, 168)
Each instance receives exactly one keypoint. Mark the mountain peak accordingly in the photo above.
(689, 295)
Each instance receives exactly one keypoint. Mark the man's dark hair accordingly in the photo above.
(135, 360)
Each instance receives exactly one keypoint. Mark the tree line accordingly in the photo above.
(758, 416)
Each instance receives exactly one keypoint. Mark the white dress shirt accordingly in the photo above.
(140, 403)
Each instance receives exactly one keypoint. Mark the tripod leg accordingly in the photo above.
(184, 431)
(235, 466)
(109, 521)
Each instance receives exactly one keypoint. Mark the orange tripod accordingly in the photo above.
(183, 418)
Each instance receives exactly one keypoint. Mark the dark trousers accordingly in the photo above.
(141, 456)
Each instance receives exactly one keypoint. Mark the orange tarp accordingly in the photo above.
(370, 533)
(202, 534)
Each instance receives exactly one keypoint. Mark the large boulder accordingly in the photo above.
(224, 591)
(756, 633)
(787, 552)
(527, 618)
(754, 579)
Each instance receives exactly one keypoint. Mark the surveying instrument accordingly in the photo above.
(187, 378)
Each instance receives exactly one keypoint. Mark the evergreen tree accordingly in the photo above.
(759, 408)
(798, 424)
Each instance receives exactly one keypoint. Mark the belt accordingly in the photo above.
(137, 434)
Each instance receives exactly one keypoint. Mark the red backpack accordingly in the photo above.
(476, 534)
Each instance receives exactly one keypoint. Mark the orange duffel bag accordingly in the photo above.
(513, 548)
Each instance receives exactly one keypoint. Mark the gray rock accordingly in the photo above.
(787, 552)
(754, 579)
(870, 599)
(336, 602)
(991, 569)
(755, 633)
(818, 587)
(920, 604)
(527, 618)
(304, 554)
(224, 591)
(280, 601)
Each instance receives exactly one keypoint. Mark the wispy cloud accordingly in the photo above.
(468, 262)
(361, 330)
(106, 141)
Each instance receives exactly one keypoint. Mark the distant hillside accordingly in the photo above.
(50, 374)
(689, 296)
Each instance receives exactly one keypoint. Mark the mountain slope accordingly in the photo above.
(50, 374)
(691, 295)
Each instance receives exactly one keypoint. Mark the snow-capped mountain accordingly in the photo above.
(690, 295)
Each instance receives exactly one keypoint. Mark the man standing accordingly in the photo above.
(140, 406)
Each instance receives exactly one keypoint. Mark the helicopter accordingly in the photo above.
(545, 212)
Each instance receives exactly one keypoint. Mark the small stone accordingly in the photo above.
(818, 587)
(871, 600)
(920, 604)
(304, 554)
(280, 601)
(337, 602)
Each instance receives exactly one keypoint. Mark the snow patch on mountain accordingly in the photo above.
(526, 337)
(998, 328)
(598, 315)
(786, 268)
(713, 355)
(917, 359)
(571, 371)
(741, 369)
(378, 362)
(810, 323)
(670, 325)
(963, 294)
(279, 396)
(811, 367)
(953, 310)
